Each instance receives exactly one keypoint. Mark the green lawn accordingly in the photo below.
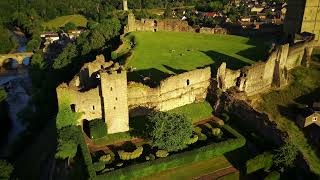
(161, 53)
(78, 20)
(279, 104)
(192, 170)
(195, 111)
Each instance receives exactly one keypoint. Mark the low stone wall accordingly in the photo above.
(173, 92)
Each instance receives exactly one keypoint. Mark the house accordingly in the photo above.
(309, 116)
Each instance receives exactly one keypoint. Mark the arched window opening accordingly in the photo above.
(73, 107)
(188, 82)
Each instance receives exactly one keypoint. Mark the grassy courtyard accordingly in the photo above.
(161, 53)
(304, 89)
(58, 22)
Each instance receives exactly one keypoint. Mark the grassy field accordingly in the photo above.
(304, 89)
(78, 20)
(160, 53)
(192, 170)
(195, 111)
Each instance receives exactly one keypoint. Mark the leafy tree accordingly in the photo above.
(8, 41)
(6, 169)
(286, 155)
(69, 26)
(66, 117)
(38, 62)
(3, 94)
(168, 131)
(65, 58)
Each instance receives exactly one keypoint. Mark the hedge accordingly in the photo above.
(176, 160)
(98, 129)
(262, 161)
(274, 175)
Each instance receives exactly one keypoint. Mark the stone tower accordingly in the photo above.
(125, 5)
(131, 23)
(115, 100)
(302, 16)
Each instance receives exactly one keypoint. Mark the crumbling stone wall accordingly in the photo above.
(173, 92)
(263, 75)
(172, 25)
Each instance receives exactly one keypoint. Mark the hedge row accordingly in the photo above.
(262, 161)
(200, 154)
(98, 129)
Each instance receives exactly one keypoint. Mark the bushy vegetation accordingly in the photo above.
(305, 81)
(274, 175)
(176, 160)
(8, 41)
(162, 153)
(98, 128)
(262, 161)
(286, 155)
(6, 170)
(130, 155)
(168, 131)
(65, 116)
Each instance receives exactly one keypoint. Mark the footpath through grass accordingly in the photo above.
(58, 22)
(175, 52)
(306, 82)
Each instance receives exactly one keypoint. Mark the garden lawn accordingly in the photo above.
(196, 111)
(58, 22)
(192, 170)
(304, 89)
(175, 52)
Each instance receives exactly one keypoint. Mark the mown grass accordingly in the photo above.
(190, 171)
(305, 81)
(175, 52)
(58, 22)
(196, 111)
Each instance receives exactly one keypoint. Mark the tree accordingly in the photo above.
(65, 58)
(8, 41)
(286, 155)
(69, 26)
(168, 131)
(5, 169)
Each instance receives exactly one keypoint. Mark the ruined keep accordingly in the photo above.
(302, 16)
(100, 90)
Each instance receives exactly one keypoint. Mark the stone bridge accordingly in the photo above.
(15, 57)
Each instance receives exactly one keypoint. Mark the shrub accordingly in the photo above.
(98, 128)
(274, 175)
(114, 55)
(218, 122)
(162, 153)
(208, 125)
(225, 117)
(150, 157)
(6, 169)
(286, 155)
(105, 158)
(130, 155)
(216, 132)
(193, 139)
(98, 166)
(262, 161)
(197, 130)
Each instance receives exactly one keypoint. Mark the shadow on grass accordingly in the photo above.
(257, 53)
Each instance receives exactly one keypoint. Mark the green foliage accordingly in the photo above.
(131, 155)
(201, 136)
(3, 94)
(34, 43)
(8, 41)
(262, 161)
(225, 117)
(65, 116)
(6, 170)
(65, 58)
(216, 132)
(162, 153)
(66, 149)
(69, 26)
(150, 157)
(105, 158)
(286, 155)
(111, 138)
(168, 131)
(38, 62)
(114, 55)
(176, 160)
(274, 175)
(98, 166)
(98, 129)
(193, 139)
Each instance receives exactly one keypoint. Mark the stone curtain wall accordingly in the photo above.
(171, 25)
(264, 75)
(173, 92)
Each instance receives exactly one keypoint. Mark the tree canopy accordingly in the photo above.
(170, 132)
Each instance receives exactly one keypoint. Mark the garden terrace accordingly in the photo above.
(207, 147)
(157, 55)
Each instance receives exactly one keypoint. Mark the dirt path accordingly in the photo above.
(218, 173)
